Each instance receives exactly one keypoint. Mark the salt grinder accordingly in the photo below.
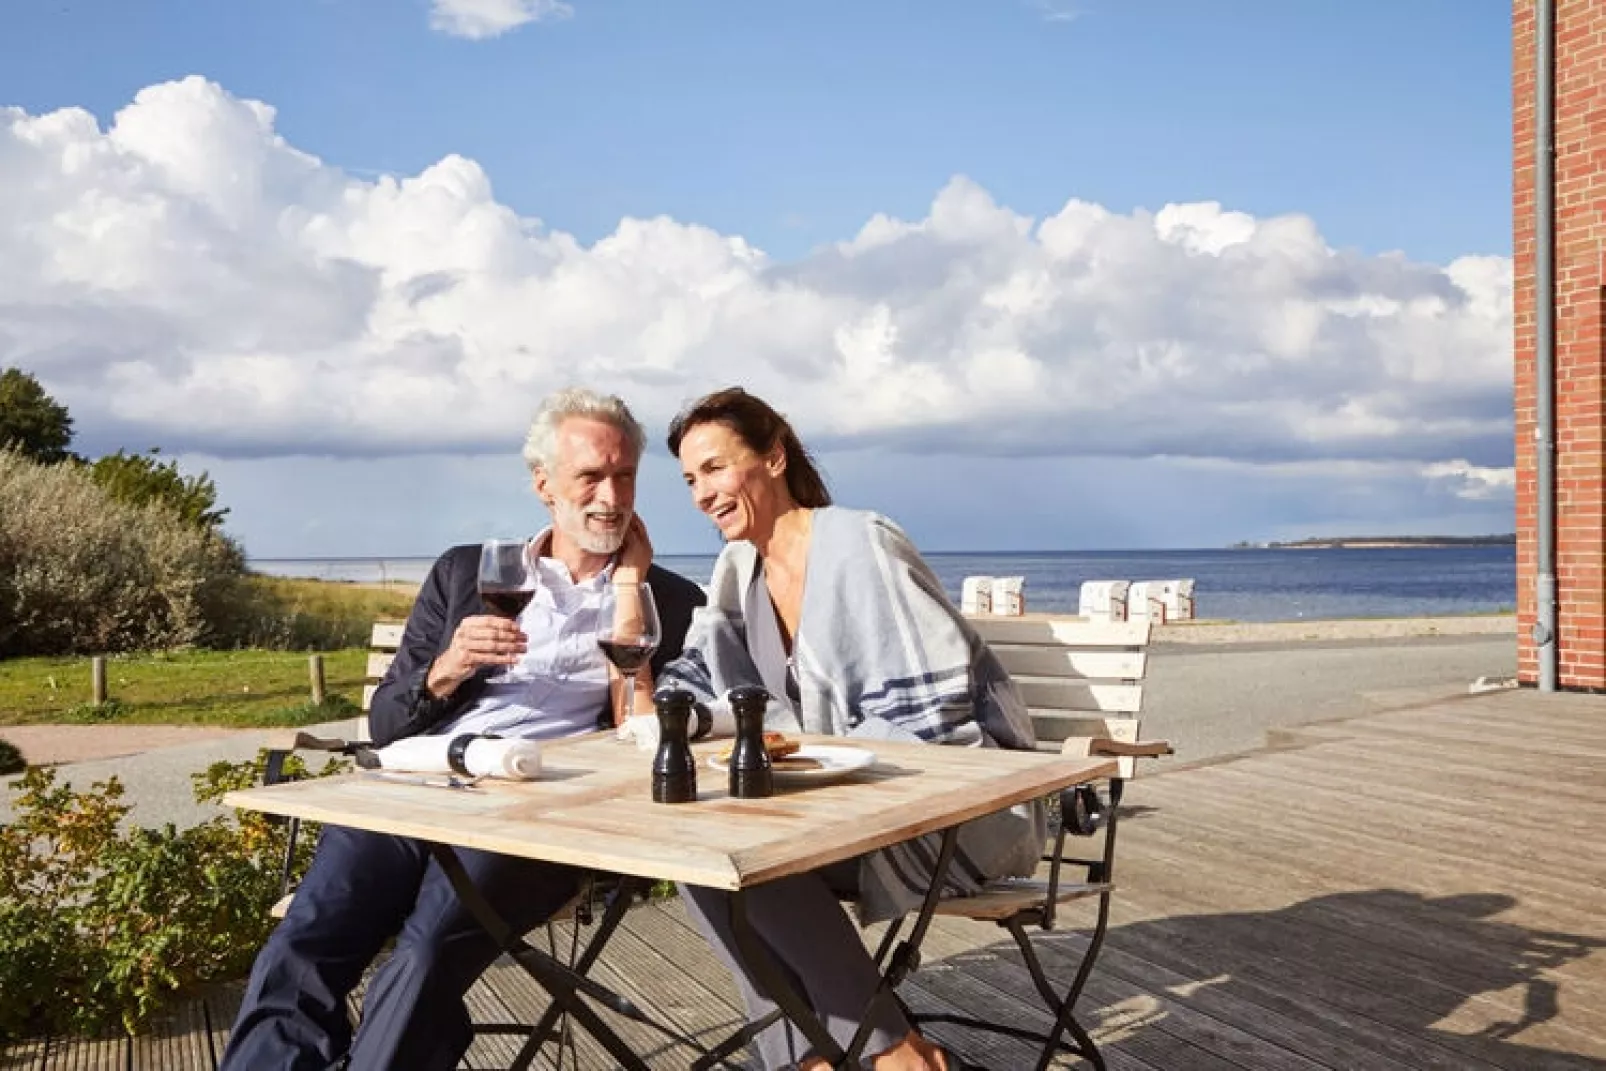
(751, 774)
(674, 770)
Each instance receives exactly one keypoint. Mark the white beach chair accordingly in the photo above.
(1144, 602)
(976, 595)
(1103, 600)
(1177, 596)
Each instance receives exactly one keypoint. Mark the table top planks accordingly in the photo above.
(592, 807)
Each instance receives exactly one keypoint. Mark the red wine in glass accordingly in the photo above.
(505, 603)
(627, 657)
(628, 632)
(506, 587)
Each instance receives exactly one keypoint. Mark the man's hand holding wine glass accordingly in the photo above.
(506, 585)
(478, 641)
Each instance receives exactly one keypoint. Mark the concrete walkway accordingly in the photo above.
(154, 762)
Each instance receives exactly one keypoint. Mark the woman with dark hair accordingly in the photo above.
(835, 614)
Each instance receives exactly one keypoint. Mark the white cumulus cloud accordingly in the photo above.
(478, 19)
(184, 277)
(1469, 481)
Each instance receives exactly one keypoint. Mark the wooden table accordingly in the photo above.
(592, 808)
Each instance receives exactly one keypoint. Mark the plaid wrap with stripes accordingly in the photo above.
(881, 653)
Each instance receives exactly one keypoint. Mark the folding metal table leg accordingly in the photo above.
(773, 981)
(563, 984)
(618, 903)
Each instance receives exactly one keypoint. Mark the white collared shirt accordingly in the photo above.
(567, 685)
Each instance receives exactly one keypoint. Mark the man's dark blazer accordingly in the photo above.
(401, 707)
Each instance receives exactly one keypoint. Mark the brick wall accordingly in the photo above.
(1580, 138)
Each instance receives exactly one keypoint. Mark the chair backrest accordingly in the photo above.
(1081, 679)
(382, 643)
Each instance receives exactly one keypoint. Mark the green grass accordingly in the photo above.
(242, 688)
(337, 599)
(245, 688)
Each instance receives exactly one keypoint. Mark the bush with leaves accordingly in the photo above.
(81, 571)
(101, 925)
(11, 760)
(140, 479)
(31, 421)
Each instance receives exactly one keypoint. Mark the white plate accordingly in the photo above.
(834, 762)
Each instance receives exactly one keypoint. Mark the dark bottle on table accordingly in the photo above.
(674, 770)
(752, 775)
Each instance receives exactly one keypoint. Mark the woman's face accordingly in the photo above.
(741, 491)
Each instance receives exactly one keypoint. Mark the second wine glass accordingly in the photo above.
(628, 633)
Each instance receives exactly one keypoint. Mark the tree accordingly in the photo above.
(31, 421)
(142, 478)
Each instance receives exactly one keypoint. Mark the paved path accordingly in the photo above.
(1211, 701)
(157, 779)
(1209, 698)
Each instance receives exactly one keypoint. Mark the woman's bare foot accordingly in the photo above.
(912, 1053)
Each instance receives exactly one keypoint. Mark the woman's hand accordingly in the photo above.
(635, 554)
(480, 640)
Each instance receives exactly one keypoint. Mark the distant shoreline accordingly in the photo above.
(1382, 542)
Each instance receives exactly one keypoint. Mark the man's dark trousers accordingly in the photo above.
(361, 890)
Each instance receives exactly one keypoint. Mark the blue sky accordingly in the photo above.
(1384, 126)
(791, 123)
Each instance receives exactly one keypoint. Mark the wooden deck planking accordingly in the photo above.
(1414, 889)
(25, 1056)
(177, 1040)
(1499, 948)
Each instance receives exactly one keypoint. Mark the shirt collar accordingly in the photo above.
(549, 571)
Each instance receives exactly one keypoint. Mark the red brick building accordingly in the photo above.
(1578, 109)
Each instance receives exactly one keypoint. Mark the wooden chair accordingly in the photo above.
(1083, 683)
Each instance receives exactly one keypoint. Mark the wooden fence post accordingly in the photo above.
(97, 680)
(315, 671)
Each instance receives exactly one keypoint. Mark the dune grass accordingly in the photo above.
(246, 688)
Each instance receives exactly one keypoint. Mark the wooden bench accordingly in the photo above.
(1083, 685)
(383, 643)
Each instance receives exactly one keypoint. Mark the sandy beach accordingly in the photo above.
(1383, 628)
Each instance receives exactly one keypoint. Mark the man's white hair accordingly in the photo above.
(540, 445)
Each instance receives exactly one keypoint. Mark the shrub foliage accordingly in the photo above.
(102, 924)
(142, 478)
(83, 571)
(31, 421)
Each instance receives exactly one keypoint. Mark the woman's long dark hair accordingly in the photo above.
(760, 427)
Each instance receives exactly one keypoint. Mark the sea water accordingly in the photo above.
(1251, 584)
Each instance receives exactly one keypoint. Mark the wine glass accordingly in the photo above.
(628, 632)
(506, 587)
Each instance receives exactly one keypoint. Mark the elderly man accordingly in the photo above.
(366, 888)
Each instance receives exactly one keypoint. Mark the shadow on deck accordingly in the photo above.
(1414, 889)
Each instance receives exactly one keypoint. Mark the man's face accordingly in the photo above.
(591, 484)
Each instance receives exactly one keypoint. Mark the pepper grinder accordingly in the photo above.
(752, 775)
(674, 770)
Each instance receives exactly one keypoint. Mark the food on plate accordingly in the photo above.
(779, 745)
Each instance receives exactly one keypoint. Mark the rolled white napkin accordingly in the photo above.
(513, 760)
(643, 728)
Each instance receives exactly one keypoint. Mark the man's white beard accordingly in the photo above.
(571, 520)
